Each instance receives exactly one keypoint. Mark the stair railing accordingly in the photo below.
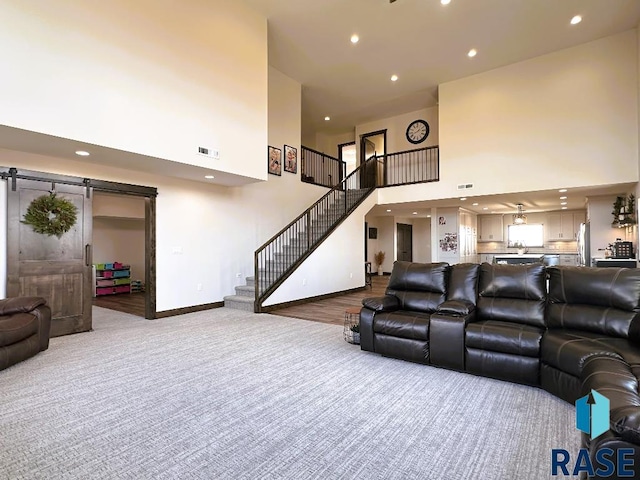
(277, 258)
(320, 169)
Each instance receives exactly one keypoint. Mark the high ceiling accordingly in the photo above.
(423, 42)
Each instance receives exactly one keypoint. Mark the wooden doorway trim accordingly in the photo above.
(95, 185)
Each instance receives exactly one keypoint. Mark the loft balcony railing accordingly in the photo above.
(411, 166)
(281, 254)
(320, 169)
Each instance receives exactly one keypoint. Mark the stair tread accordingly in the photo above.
(238, 298)
(246, 288)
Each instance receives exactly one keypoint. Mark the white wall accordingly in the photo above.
(328, 144)
(144, 77)
(566, 119)
(422, 240)
(396, 127)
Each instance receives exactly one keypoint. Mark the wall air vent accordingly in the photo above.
(209, 152)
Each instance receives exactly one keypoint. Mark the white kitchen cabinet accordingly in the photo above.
(563, 226)
(468, 237)
(491, 228)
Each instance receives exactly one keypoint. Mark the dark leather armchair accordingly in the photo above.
(397, 325)
(25, 323)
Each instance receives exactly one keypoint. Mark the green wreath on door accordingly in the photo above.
(51, 215)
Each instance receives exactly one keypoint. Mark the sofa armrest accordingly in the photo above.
(9, 306)
(634, 330)
(388, 303)
(456, 308)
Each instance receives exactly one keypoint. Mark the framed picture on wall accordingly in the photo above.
(290, 159)
(373, 232)
(274, 160)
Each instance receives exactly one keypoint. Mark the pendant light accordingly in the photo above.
(519, 218)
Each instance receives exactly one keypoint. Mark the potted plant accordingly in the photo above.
(379, 259)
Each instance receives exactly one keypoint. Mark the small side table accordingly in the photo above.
(352, 325)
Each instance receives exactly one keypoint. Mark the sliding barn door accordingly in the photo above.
(58, 269)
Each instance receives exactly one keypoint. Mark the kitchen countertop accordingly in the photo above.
(515, 255)
(612, 259)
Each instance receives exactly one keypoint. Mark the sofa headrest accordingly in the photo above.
(419, 286)
(463, 282)
(526, 282)
(603, 287)
(419, 277)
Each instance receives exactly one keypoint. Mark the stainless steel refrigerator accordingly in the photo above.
(584, 245)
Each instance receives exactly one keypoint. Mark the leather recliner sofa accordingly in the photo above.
(25, 323)
(565, 329)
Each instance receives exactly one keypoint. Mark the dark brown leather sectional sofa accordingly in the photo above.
(25, 323)
(567, 330)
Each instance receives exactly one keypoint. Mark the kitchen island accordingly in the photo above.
(515, 259)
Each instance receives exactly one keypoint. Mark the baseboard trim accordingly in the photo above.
(293, 303)
(194, 308)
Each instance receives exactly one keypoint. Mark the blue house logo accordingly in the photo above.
(592, 418)
(592, 414)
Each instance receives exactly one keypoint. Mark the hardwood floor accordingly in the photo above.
(132, 303)
(331, 310)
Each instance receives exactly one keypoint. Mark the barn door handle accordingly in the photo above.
(87, 255)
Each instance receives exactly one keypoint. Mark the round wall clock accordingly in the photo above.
(417, 131)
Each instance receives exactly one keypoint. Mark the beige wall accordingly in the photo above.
(143, 77)
(120, 240)
(566, 119)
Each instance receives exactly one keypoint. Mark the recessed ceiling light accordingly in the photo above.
(209, 176)
(394, 78)
(475, 204)
(445, 2)
(355, 38)
(472, 53)
(564, 208)
(563, 203)
(562, 190)
(428, 216)
(326, 119)
(388, 211)
(576, 20)
(485, 208)
(462, 199)
(82, 153)
(563, 198)
(415, 213)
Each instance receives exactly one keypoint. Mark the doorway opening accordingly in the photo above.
(347, 154)
(372, 144)
(404, 242)
(119, 243)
